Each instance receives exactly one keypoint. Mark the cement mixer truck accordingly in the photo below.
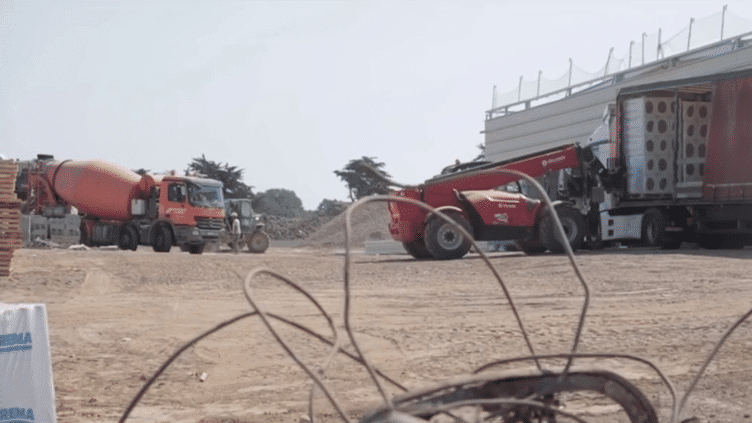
(120, 207)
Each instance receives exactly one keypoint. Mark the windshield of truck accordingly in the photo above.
(205, 195)
(246, 209)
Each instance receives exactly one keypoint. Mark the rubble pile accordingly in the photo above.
(10, 215)
(369, 222)
(293, 228)
(322, 230)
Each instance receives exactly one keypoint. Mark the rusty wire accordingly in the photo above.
(148, 384)
(505, 401)
(656, 369)
(377, 375)
(716, 348)
(347, 270)
(570, 254)
(559, 232)
(359, 357)
(247, 290)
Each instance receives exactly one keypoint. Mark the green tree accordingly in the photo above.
(360, 179)
(330, 207)
(278, 202)
(230, 176)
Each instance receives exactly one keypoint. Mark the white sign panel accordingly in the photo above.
(27, 392)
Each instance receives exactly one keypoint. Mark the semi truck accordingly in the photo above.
(120, 207)
(678, 154)
(669, 164)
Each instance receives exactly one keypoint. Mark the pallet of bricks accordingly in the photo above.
(10, 215)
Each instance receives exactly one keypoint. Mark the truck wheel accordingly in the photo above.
(530, 246)
(654, 224)
(128, 238)
(196, 248)
(162, 240)
(574, 228)
(444, 241)
(259, 242)
(417, 249)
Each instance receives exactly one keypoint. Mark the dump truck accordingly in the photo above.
(120, 207)
(251, 226)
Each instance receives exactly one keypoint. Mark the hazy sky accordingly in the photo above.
(292, 90)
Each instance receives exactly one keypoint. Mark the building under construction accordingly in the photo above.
(546, 114)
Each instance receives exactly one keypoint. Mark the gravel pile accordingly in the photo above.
(293, 228)
(369, 222)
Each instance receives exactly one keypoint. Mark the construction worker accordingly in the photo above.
(235, 232)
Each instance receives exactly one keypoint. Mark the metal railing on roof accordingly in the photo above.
(714, 49)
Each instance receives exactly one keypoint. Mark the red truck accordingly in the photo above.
(120, 207)
(471, 198)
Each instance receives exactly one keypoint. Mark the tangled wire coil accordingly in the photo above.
(516, 398)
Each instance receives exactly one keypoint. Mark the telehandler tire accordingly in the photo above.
(530, 246)
(417, 249)
(444, 241)
(574, 228)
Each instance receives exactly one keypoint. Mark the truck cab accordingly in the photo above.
(191, 209)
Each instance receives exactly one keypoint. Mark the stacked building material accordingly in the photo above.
(10, 215)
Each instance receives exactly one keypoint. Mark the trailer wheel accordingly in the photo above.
(162, 239)
(417, 249)
(574, 228)
(259, 242)
(444, 241)
(530, 246)
(128, 238)
(654, 224)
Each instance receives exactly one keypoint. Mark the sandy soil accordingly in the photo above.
(115, 316)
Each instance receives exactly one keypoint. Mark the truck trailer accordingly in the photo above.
(120, 207)
(678, 154)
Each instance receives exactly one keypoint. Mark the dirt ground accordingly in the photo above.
(116, 316)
